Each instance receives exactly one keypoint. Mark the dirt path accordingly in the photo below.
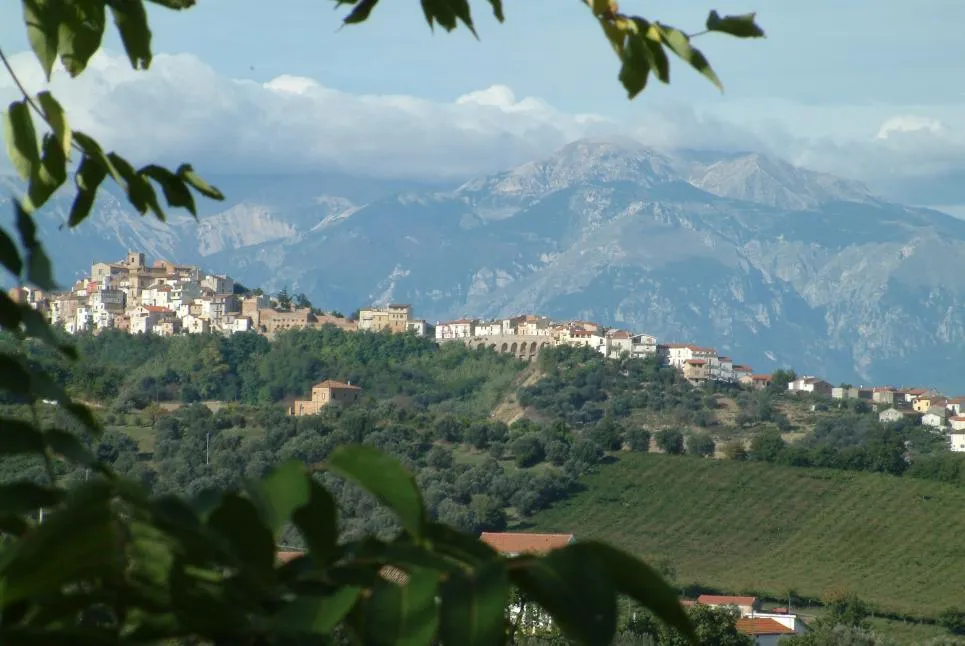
(509, 410)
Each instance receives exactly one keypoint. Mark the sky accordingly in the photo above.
(869, 89)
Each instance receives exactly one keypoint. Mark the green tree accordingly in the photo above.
(767, 446)
(110, 564)
(283, 300)
(301, 301)
(701, 445)
(638, 439)
(953, 620)
(780, 379)
(670, 441)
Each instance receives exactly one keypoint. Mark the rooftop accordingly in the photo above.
(331, 383)
(762, 626)
(517, 543)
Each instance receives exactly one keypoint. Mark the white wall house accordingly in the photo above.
(643, 345)
(956, 441)
(460, 329)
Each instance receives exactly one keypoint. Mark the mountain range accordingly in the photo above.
(772, 264)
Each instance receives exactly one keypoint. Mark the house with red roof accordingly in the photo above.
(766, 630)
(512, 544)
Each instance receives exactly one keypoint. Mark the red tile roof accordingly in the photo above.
(517, 543)
(957, 418)
(285, 557)
(695, 362)
(330, 383)
(155, 308)
(762, 626)
(761, 377)
(723, 600)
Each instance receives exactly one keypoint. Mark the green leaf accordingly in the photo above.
(93, 149)
(13, 375)
(49, 176)
(318, 523)
(77, 543)
(175, 4)
(448, 13)
(57, 119)
(36, 326)
(42, 18)
(403, 616)
(679, 44)
(315, 615)
(251, 542)
(21, 138)
(139, 191)
(11, 314)
(39, 271)
(187, 173)
(17, 436)
(474, 605)
(175, 190)
(83, 415)
(360, 12)
(453, 543)
(9, 256)
(636, 579)
(79, 33)
(131, 20)
(22, 497)
(498, 9)
(635, 70)
(88, 179)
(741, 26)
(658, 60)
(571, 586)
(385, 478)
(280, 493)
(71, 448)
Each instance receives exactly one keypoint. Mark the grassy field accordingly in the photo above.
(748, 527)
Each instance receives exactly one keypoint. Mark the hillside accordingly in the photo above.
(746, 527)
(773, 265)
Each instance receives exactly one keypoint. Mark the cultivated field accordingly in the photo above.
(750, 527)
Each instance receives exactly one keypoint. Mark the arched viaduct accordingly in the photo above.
(523, 346)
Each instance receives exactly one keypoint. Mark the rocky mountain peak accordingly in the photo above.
(759, 178)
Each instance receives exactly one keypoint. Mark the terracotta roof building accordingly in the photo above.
(760, 626)
(324, 394)
(523, 543)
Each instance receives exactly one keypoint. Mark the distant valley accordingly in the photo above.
(774, 265)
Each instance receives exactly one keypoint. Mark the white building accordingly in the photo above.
(618, 342)
(643, 345)
(460, 329)
(218, 284)
(956, 441)
(810, 385)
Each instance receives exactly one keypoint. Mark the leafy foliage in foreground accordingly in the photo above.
(109, 564)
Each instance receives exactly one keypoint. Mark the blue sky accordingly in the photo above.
(816, 91)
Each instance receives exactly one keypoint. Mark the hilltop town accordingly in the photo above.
(167, 299)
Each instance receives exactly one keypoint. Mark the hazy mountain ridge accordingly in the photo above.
(773, 264)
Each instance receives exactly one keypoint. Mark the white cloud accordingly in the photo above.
(182, 110)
